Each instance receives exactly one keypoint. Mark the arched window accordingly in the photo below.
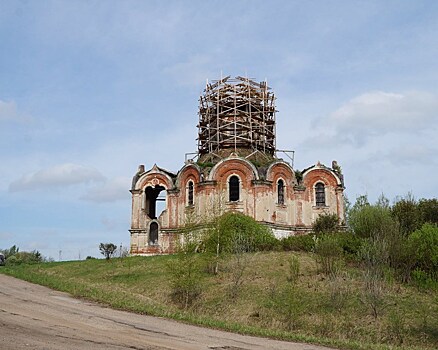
(280, 192)
(153, 233)
(320, 194)
(234, 188)
(190, 193)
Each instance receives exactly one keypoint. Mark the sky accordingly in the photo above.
(91, 89)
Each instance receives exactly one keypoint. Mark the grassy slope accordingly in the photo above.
(333, 313)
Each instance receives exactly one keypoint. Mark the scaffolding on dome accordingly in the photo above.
(236, 114)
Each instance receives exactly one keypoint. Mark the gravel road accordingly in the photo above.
(35, 317)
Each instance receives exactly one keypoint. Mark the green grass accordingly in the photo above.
(332, 313)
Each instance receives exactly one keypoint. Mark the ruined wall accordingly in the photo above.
(259, 198)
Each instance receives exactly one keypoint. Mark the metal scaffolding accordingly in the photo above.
(236, 114)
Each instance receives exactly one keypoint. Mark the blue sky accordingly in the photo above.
(91, 89)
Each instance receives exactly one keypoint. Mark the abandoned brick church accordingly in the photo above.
(236, 168)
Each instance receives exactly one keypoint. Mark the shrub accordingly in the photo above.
(303, 243)
(405, 210)
(349, 242)
(372, 221)
(293, 269)
(423, 280)
(12, 260)
(425, 241)
(326, 223)
(374, 257)
(402, 257)
(328, 254)
(10, 252)
(185, 279)
(236, 232)
(19, 258)
(428, 211)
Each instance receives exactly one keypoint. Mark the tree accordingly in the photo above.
(428, 210)
(372, 221)
(405, 210)
(107, 249)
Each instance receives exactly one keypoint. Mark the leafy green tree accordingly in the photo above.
(405, 210)
(372, 221)
(428, 210)
(107, 249)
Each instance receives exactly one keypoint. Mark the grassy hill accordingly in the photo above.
(278, 294)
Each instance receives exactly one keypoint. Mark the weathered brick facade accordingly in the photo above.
(258, 198)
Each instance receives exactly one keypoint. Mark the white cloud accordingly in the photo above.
(56, 176)
(408, 154)
(376, 116)
(110, 191)
(379, 113)
(9, 111)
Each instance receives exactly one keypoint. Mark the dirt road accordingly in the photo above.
(35, 317)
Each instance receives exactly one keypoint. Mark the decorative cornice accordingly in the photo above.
(261, 182)
(207, 183)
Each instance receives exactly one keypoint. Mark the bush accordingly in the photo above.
(236, 233)
(185, 279)
(349, 242)
(372, 221)
(12, 261)
(10, 252)
(328, 254)
(423, 280)
(425, 241)
(374, 257)
(406, 212)
(326, 223)
(304, 243)
(428, 211)
(19, 258)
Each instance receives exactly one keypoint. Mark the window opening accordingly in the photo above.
(320, 194)
(280, 191)
(190, 194)
(152, 197)
(234, 188)
(153, 233)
